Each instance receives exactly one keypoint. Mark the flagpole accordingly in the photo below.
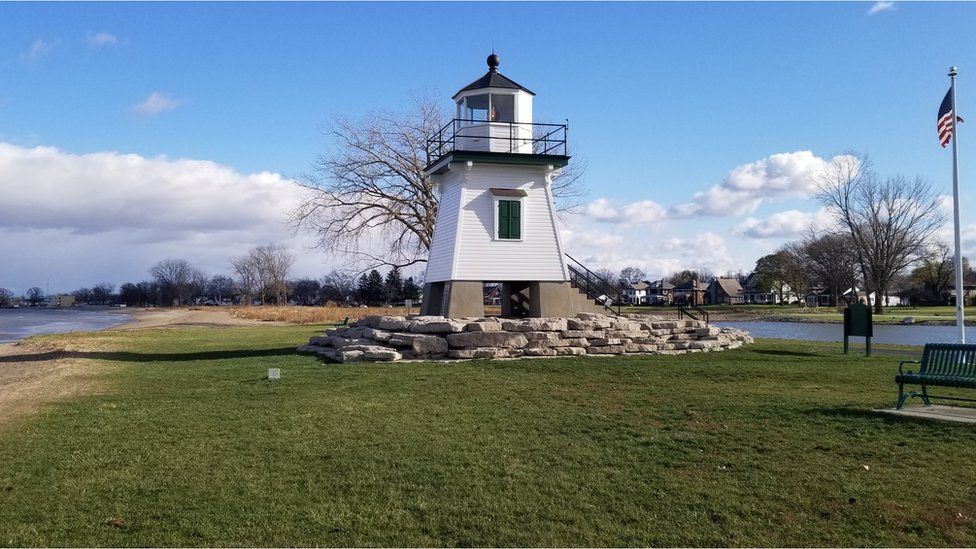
(960, 294)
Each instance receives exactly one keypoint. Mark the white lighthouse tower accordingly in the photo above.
(496, 221)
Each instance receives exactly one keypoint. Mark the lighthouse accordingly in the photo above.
(496, 221)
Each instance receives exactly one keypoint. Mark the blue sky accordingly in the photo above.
(664, 100)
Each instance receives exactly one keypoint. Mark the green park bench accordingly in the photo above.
(341, 324)
(942, 365)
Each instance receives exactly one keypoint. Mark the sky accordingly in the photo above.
(134, 132)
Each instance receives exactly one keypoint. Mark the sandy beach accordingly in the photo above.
(211, 317)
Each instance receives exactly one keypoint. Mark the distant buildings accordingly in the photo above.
(725, 291)
(60, 300)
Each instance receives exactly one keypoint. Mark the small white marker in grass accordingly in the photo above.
(274, 373)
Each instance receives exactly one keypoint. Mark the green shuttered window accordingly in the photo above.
(509, 219)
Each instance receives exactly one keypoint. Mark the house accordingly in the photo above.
(818, 296)
(635, 294)
(725, 291)
(755, 292)
(60, 300)
(855, 295)
(660, 292)
(691, 292)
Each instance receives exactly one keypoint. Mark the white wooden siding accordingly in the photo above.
(480, 256)
(440, 262)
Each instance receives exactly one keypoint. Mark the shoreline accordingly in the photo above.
(146, 318)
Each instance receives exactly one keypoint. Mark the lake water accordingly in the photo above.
(883, 333)
(20, 323)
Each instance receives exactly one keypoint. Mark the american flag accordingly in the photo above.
(945, 125)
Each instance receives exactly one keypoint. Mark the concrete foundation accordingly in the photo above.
(454, 299)
(519, 299)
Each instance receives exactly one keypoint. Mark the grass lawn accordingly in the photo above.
(892, 315)
(187, 444)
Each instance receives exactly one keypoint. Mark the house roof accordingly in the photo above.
(640, 285)
(730, 286)
(493, 79)
(691, 285)
(661, 285)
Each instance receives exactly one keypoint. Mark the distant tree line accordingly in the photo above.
(260, 277)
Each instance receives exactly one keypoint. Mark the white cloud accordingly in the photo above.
(783, 175)
(80, 219)
(102, 39)
(644, 211)
(881, 6)
(156, 103)
(787, 224)
(38, 49)
(601, 210)
(619, 245)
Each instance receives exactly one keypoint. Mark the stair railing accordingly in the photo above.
(693, 312)
(594, 287)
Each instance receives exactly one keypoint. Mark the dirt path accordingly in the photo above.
(213, 317)
(33, 374)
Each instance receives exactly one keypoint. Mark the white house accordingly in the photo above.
(855, 295)
(635, 294)
(753, 291)
(496, 221)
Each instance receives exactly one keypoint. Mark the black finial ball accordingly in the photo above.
(493, 61)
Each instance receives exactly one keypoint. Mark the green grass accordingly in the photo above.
(767, 445)
(892, 315)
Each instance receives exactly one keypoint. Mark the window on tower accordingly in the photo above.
(476, 107)
(509, 226)
(502, 108)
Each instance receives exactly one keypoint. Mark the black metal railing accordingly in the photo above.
(465, 134)
(693, 312)
(595, 288)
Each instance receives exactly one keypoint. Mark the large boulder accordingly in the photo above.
(487, 352)
(487, 339)
(439, 326)
(377, 335)
(484, 325)
(535, 325)
(392, 323)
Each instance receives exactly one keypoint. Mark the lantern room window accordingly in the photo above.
(488, 107)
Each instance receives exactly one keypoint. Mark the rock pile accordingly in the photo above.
(392, 338)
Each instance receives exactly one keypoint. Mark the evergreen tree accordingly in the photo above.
(393, 286)
(374, 288)
(362, 289)
(411, 290)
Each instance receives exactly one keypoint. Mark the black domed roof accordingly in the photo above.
(493, 79)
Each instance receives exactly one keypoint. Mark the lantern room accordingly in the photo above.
(494, 98)
(493, 114)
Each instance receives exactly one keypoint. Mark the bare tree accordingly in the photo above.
(631, 275)
(264, 270)
(935, 273)
(338, 287)
(247, 277)
(220, 287)
(832, 261)
(795, 269)
(274, 262)
(369, 197)
(606, 275)
(35, 295)
(174, 277)
(6, 297)
(891, 222)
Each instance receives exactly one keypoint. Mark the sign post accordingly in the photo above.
(858, 322)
